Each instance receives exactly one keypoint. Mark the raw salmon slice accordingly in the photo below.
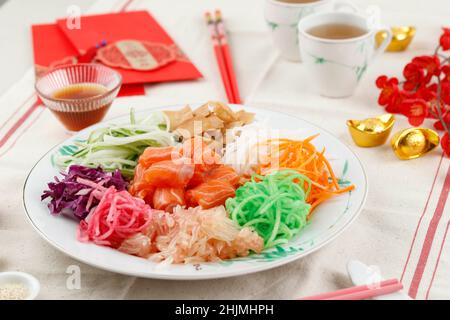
(152, 155)
(169, 174)
(138, 174)
(202, 156)
(210, 194)
(198, 178)
(168, 198)
(224, 173)
(138, 187)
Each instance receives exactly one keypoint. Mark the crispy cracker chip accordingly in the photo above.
(233, 124)
(224, 112)
(245, 117)
(187, 123)
(202, 111)
(212, 122)
(177, 117)
(198, 125)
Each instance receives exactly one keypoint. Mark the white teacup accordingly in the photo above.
(335, 66)
(282, 17)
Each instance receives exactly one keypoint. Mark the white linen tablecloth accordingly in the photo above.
(402, 228)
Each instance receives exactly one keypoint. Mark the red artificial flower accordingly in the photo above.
(421, 94)
(446, 72)
(381, 82)
(416, 110)
(430, 64)
(444, 41)
(438, 125)
(445, 118)
(445, 144)
(427, 93)
(389, 90)
(414, 75)
(395, 103)
(445, 92)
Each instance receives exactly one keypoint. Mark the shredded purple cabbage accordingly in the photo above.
(68, 194)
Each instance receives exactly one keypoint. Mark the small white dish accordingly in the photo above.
(362, 274)
(27, 280)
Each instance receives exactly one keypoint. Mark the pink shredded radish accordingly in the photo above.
(92, 184)
(97, 190)
(117, 217)
(190, 235)
(193, 235)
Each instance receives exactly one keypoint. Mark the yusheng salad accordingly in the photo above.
(159, 188)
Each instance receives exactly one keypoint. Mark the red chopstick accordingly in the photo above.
(220, 57)
(360, 292)
(220, 26)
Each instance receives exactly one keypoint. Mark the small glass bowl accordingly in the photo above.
(76, 113)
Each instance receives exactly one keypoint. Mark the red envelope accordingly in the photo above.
(51, 48)
(133, 25)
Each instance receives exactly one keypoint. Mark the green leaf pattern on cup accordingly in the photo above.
(272, 25)
(302, 13)
(358, 69)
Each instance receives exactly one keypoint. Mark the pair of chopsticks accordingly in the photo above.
(360, 292)
(223, 56)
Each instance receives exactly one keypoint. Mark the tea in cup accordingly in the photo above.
(282, 17)
(337, 48)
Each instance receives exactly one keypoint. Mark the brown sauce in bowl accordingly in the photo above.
(82, 118)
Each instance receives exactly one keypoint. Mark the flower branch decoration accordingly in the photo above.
(425, 90)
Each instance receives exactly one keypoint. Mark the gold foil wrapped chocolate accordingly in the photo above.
(401, 38)
(371, 132)
(414, 142)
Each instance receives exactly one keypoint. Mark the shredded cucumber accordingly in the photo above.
(118, 146)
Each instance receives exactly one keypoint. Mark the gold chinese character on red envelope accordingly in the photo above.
(136, 55)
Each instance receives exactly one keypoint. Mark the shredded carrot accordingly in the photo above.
(302, 156)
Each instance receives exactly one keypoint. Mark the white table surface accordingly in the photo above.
(402, 228)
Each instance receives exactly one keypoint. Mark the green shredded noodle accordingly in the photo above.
(273, 205)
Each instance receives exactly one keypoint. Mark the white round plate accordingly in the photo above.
(329, 220)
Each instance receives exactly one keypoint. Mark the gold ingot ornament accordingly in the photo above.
(401, 38)
(414, 142)
(371, 132)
